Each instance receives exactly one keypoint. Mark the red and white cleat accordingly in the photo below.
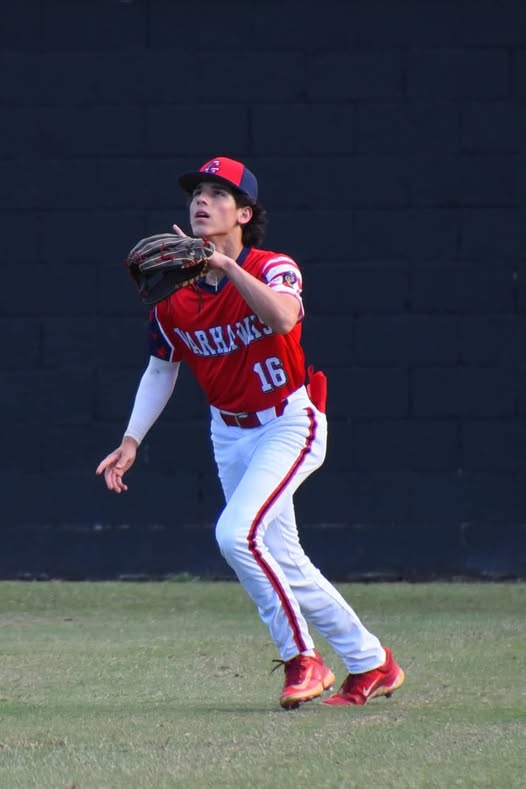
(306, 678)
(358, 689)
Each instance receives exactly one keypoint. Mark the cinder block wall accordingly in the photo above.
(388, 137)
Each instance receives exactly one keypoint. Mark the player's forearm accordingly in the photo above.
(154, 391)
(277, 310)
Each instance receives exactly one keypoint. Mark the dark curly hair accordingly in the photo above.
(254, 231)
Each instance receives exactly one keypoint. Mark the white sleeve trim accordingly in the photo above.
(154, 391)
(289, 292)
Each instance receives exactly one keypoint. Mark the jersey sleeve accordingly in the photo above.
(282, 274)
(161, 346)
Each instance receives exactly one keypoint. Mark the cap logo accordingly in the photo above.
(212, 167)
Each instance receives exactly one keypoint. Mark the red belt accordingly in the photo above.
(251, 419)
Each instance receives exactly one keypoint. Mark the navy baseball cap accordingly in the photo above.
(224, 171)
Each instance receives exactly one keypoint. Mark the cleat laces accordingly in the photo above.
(294, 668)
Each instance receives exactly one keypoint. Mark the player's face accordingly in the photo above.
(213, 211)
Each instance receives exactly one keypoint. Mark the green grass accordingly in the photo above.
(168, 685)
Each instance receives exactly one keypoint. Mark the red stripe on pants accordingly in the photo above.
(289, 611)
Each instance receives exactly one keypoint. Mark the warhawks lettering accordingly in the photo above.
(221, 340)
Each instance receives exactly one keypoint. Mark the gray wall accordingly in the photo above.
(388, 137)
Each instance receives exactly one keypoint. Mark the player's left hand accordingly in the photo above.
(217, 261)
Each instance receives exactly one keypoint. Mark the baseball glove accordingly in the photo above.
(159, 265)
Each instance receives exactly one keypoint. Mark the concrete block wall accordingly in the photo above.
(388, 138)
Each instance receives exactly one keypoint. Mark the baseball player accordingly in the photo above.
(239, 330)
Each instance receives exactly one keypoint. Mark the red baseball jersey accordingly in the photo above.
(239, 362)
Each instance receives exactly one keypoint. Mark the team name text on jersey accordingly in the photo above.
(223, 340)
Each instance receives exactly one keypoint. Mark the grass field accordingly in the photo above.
(168, 685)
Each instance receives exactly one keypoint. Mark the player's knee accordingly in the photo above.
(232, 537)
(229, 543)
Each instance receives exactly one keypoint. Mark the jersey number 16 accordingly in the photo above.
(271, 373)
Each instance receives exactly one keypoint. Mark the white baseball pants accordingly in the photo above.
(260, 469)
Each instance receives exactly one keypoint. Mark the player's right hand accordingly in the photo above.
(117, 463)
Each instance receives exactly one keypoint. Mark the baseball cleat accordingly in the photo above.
(358, 689)
(327, 677)
(306, 678)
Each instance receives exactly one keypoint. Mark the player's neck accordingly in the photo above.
(228, 245)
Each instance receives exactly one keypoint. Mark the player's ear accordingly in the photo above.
(244, 214)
